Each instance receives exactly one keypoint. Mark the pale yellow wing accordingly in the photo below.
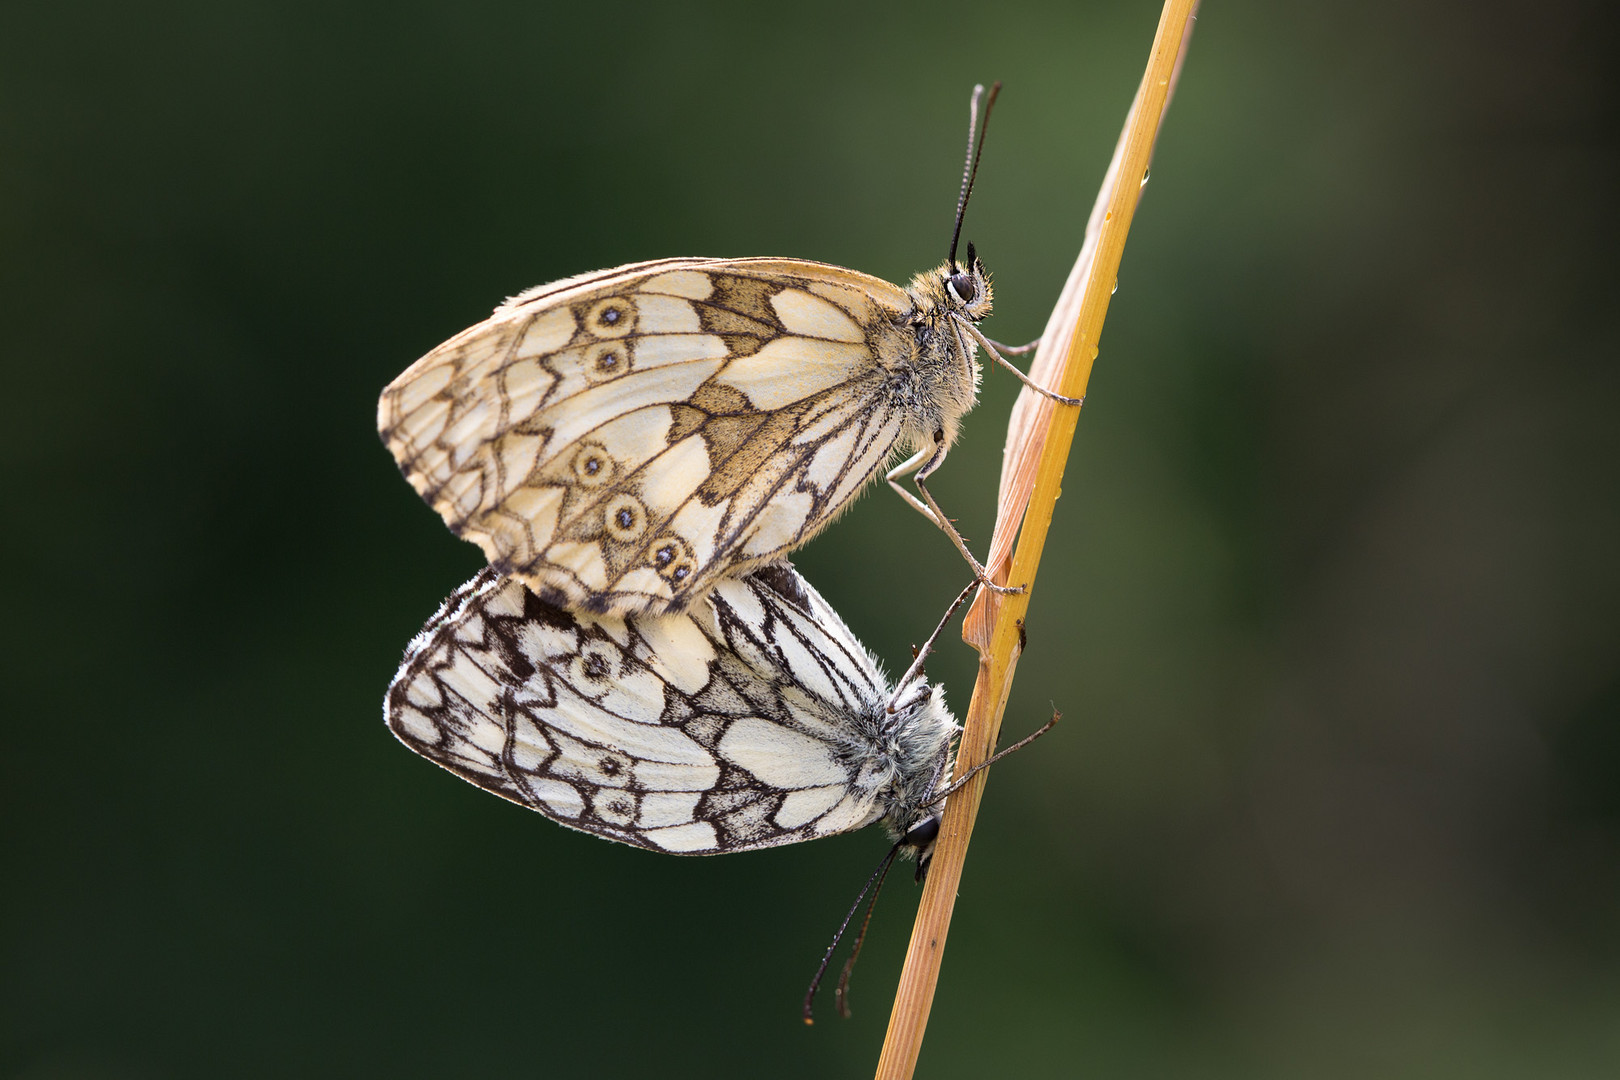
(623, 440)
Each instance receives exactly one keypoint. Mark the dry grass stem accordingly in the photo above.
(1038, 440)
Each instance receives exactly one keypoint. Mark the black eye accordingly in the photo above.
(962, 285)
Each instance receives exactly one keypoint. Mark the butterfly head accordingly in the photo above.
(919, 840)
(954, 291)
(966, 291)
(946, 301)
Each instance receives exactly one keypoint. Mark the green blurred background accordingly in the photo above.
(1330, 604)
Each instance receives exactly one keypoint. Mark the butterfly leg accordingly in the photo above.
(922, 470)
(906, 468)
(1014, 350)
(922, 463)
(927, 647)
(990, 348)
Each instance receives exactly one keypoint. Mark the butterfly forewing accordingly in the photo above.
(752, 720)
(621, 441)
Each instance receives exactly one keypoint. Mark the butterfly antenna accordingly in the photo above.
(940, 795)
(877, 877)
(841, 993)
(970, 168)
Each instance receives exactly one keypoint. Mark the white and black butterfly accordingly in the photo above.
(751, 720)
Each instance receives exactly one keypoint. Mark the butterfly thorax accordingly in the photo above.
(907, 758)
(944, 367)
(922, 752)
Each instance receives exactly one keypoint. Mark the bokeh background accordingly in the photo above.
(1330, 605)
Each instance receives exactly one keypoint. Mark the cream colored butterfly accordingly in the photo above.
(622, 441)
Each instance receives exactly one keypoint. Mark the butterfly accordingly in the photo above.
(623, 440)
(751, 720)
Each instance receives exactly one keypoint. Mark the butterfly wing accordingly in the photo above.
(623, 440)
(744, 723)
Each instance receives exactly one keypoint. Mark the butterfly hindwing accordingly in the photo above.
(621, 441)
(754, 719)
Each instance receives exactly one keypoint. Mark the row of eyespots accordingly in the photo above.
(625, 518)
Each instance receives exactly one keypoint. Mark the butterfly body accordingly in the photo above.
(752, 720)
(623, 440)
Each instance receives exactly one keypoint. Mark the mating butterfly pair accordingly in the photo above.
(636, 451)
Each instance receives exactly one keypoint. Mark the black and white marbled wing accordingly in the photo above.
(754, 719)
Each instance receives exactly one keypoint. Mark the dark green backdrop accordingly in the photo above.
(1330, 604)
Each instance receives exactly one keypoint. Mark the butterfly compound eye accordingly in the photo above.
(922, 834)
(962, 285)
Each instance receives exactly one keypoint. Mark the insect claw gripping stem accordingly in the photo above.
(979, 572)
(1015, 350)
(990, 348)
(921, 465)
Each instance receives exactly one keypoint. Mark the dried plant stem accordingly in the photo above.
(1040, 433)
